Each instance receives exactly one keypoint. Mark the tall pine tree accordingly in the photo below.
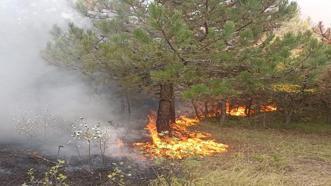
(178, 45)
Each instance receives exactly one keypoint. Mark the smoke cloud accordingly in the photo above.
(32, 91)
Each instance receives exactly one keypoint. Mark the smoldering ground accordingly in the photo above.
(39, 103)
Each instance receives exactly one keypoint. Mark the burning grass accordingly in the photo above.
(241, 111)
(183, 143)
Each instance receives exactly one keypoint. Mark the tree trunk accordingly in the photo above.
(328, 115)
(288, 116)
(166, 113)
(223, 110)
(328, 110)
(195, 109)
(206, 109)
(228, 106)
(173, 108)
(264, 120)
(122, 105)
(248, 108)
(128, 103)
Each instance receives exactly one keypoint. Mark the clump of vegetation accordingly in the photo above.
(116, 177)
(52, 177)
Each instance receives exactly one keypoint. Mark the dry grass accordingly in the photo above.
(259, 157)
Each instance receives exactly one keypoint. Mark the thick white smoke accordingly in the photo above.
(29, 87)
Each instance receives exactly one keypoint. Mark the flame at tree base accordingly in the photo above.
(182, 143)
(240, 111)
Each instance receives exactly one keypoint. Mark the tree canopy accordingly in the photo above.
(199, 49)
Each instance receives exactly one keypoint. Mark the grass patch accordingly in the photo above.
(258, 156)
(308, 127)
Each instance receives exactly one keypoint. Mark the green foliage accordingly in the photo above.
(141, 36)
(52, 177)
(213, 89)
(196, 92)
(229, 29)
(208, 51)
(169, 73)
(146, 37)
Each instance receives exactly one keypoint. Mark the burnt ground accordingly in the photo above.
(16, 160)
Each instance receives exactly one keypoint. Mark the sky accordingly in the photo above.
(317, 10)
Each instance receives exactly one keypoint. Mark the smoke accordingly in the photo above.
(33, 94)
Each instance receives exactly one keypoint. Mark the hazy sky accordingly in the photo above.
(317, 10)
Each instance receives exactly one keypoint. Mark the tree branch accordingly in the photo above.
(172, 47)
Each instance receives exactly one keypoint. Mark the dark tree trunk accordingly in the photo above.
(173, 108)
(223, 110)
(206, 109)
(288, 116)
(228, 106)
(166, 113)
(328, 111)
(248, 108)
(195, 109)
(258, 108)
(122, 105)
(264, 120)
(288, 108)
(328, 115)
(128, 102)
(217, 110)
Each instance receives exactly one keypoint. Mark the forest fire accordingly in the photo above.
(182, 143)
(238, 111)
(241, 111)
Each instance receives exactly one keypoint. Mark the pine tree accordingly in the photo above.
(324, 81)
(218, 47)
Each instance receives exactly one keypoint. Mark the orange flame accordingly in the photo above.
(182, 144)
(240, 111)
(269, 108)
